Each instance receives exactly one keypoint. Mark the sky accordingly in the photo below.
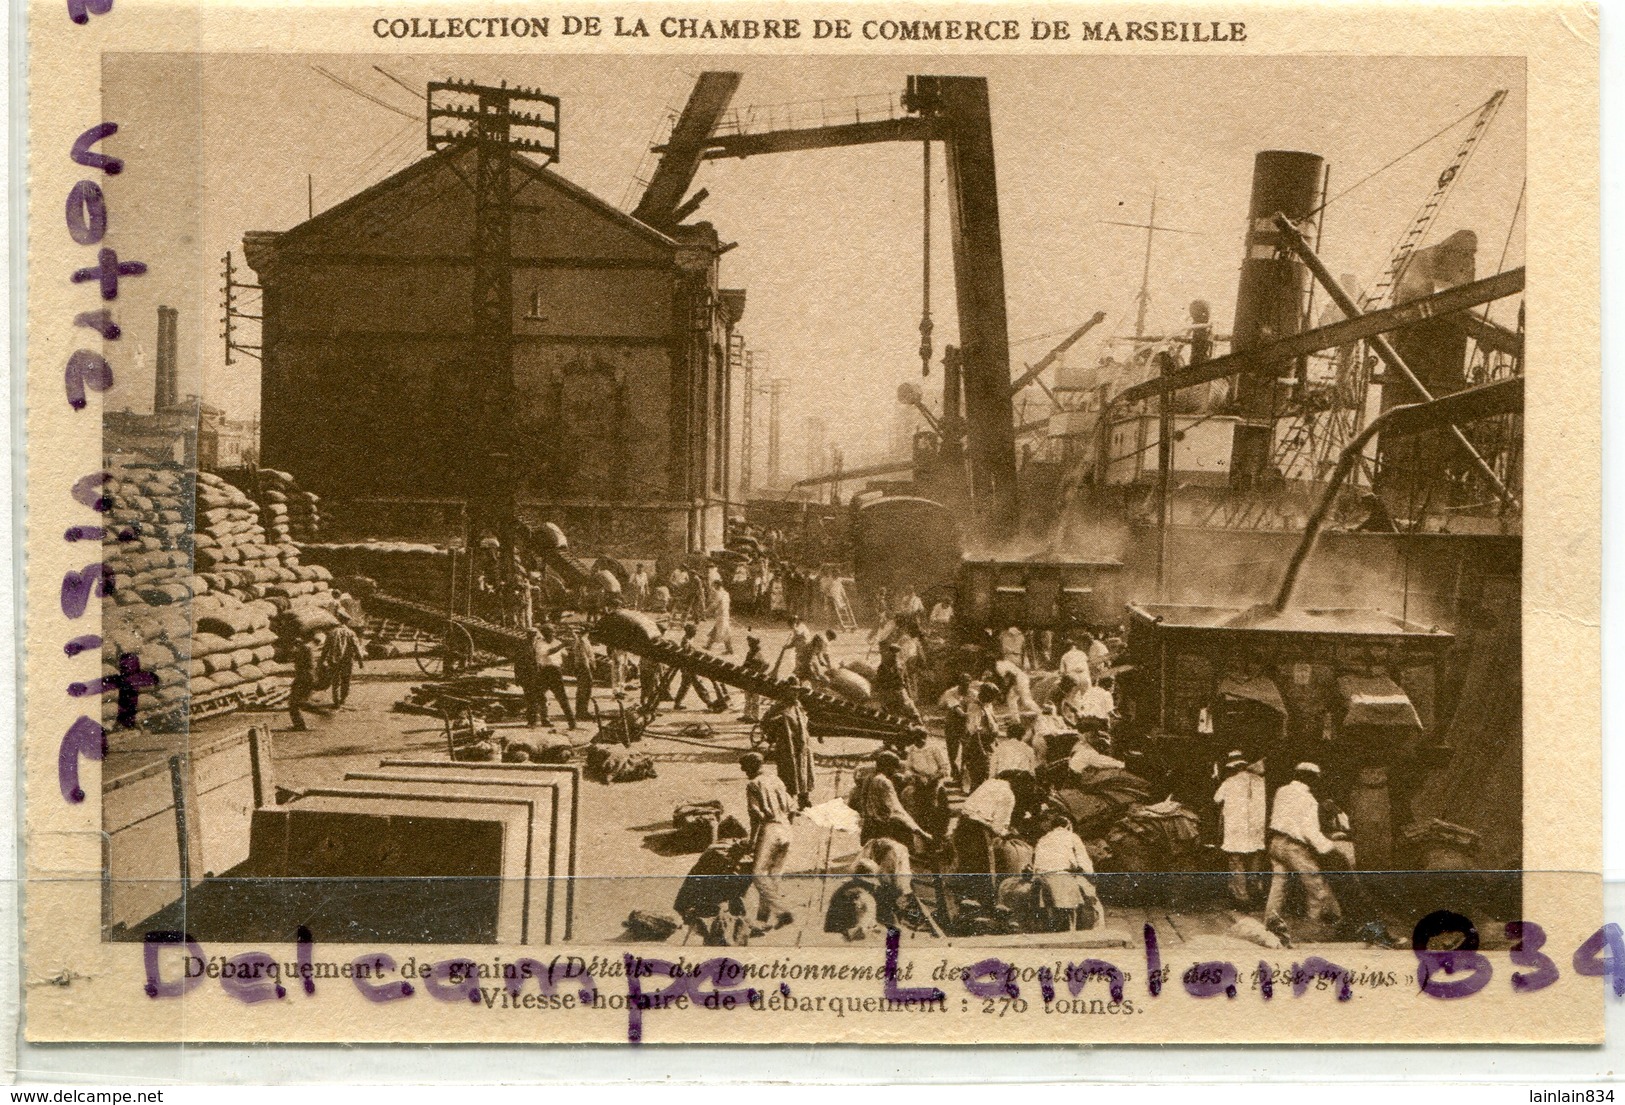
(830, 248)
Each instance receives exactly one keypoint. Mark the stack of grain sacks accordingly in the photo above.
(235, 557)
(287, 513)
(147, 565)
(405, 569)
(202, 604)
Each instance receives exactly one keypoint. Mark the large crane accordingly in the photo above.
(1316, 437)
(954, 111)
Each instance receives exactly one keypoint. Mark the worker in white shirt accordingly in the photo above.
(1012, 753)
(983, 821)
(1296, 846)
(721, 637)
(1061, 864)
(1018, 688)
(1098, 652)
(1075, 667)
(1086, 757)
(1243, 814)
(1097, 702)
(1013, 646)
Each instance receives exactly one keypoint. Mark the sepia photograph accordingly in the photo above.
(784, 502)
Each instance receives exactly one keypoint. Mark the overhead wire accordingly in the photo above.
(365, 95)
(1448, 127)
(362, 168)
(402, 83)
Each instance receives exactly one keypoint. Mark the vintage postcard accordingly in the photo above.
(813, 522)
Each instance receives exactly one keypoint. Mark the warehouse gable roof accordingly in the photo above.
(417, 173)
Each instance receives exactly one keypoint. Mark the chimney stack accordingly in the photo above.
(165, 392)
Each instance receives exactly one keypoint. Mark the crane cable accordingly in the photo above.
(925, 267)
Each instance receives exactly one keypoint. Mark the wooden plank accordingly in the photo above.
(566, 776)
(259, 748)
(346, 858)
(542, 890)
(563, 786)
(188, 821)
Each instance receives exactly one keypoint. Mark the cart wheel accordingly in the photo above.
(453, 653)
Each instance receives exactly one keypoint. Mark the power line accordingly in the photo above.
(402, 83)
(386, 149)
(365, 95)
(1448, 127)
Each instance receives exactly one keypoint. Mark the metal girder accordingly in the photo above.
(1268, 358)
(683, 152)
(1380, 345)
(908, 129)
(1490, 335)
(891, 469)
(1484, 401)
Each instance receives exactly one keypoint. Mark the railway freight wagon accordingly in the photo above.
(1038, 594)
(901, 541)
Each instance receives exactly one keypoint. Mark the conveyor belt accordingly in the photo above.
(487, 636)
(828, 713)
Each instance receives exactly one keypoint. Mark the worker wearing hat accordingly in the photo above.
(756, 664)
(1243, 814)
(878, 801)
(1296, 848)
(771, 810)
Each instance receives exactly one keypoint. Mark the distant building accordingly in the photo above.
(620, 340)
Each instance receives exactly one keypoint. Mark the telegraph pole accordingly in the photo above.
(747, 431)
(463, 113)
(232, 312)
(776, 387)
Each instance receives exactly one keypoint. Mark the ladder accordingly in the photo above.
(843, 607)
(1417, 232)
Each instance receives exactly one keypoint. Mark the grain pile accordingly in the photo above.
(202, 594)
(287, 513)
(412, 571)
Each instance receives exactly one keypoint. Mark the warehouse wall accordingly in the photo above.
(366, 353)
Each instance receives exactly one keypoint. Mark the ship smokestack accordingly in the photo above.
(1271, 298)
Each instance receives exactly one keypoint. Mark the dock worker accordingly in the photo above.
(721, 637)
(1062, 866)
(1242, 801)
(1012, 753)
(1096, 706)
(342, 652)
(756, 664)
(771, 809)
(581, 653)
(307, 656)
(537, 670)
(891, 693)
(957, 702)
(1296, 846)
(713, 697)
(877, 798)
(984, 820)
(1013, 646)
(785, 728)
(1075, 666)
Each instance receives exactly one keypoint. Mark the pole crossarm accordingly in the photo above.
(1268, 358)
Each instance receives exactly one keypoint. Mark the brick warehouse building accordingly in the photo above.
(621, 366)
